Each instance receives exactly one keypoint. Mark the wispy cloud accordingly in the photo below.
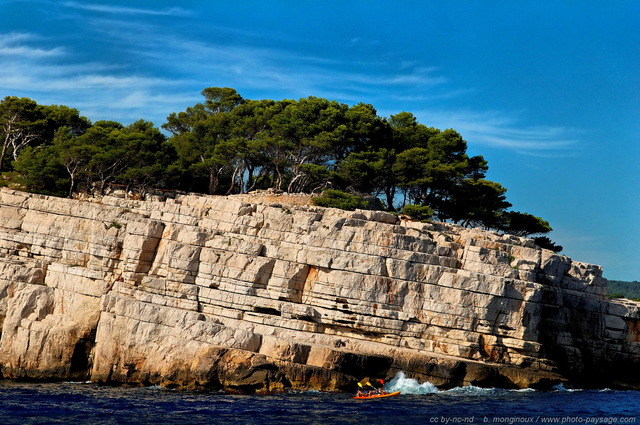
(132, 104)
(120, 10)
(111, 82)
(33, 72)
(506, 131)
(291, 73)
(261, 66)
(158, 73)
(99, 90)
(15, 45)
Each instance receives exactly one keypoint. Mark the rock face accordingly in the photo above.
(222, 293)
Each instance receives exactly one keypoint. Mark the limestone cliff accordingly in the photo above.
(231, 293)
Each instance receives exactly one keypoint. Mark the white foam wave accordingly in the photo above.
(409, 386)
(400, 382)
(471, 390)
(304, 392)
(155, 388)
(562, 388)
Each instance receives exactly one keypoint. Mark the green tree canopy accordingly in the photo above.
(476, 202)
(25, 123)
(22, 122)
(524, 224)
(228, 144)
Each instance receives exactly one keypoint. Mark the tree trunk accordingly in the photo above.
(233, 178)
(213, 181)
(390, 194)
(103, 183)
(71, 186)
(278, 179)
(250, 182)
(4, 151)
(292, 183)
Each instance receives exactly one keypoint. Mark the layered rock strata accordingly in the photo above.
(226, 293)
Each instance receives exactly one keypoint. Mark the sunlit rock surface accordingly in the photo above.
(260, 294)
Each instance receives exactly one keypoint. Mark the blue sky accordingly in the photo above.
(548, 92)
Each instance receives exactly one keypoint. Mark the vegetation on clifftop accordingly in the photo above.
(227, 144)
(622, 289)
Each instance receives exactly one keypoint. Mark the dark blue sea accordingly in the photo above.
(87, 403)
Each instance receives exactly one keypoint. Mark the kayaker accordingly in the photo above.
(361, 392)
(381, 389)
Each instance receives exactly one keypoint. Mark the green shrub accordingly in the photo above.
(418, 212)
(337, 199)
(546, 243)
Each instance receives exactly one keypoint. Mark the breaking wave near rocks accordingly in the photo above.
(410, 386)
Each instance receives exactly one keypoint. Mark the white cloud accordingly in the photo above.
(30, 73)
(283, 71)
(131, 105)
(14, 37)
(99, 90)
(15, 45)
(120, 10)
(144, 98)
(506, 131)
(96, 81)
(171, 70)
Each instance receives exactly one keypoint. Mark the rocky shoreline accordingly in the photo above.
(260, 295)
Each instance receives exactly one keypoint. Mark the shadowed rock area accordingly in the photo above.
(251, 294)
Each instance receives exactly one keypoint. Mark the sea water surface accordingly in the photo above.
(419, 403)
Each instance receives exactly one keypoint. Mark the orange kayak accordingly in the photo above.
(367, 397)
